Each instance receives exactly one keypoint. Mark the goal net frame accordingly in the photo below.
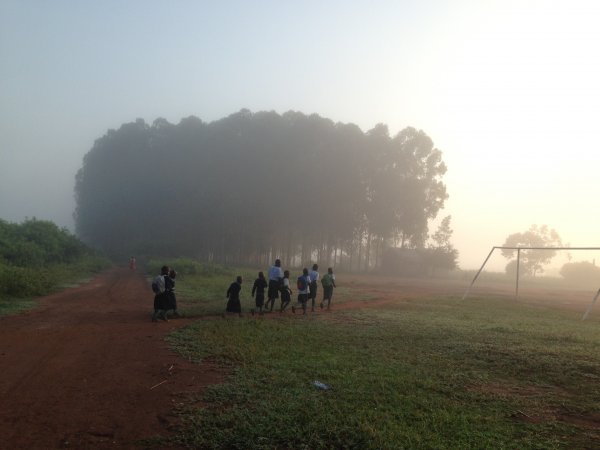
(518, 249)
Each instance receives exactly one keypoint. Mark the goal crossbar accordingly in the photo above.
(518, 249)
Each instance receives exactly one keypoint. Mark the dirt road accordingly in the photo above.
(88, 369)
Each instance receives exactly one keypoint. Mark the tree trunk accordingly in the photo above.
(335, 256)
(360, 252)
(368, 252)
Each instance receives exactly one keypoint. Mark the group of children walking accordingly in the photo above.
(165, 302)
(279, 283)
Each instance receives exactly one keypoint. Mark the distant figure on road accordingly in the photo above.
(328, 282)
(132, 263)
(260, 284)
(275, 280)
(233, 294)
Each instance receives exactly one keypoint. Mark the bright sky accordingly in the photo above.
(508, 90)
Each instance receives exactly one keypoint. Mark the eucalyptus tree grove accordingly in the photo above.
(254, 186)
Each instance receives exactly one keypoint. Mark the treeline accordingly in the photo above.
(36, 257)
(254, 186)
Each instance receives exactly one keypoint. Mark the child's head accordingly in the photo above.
(261, 275)
(330, 270)
(286, 274)
(239, 279)
(305, 271)
(164, 270)
(172, 273)
(315, 266)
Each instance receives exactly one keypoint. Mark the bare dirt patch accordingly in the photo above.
(514, 390)
(88, 369)
(547, 414)
(589, 420)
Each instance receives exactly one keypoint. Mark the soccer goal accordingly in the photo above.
(519, 249)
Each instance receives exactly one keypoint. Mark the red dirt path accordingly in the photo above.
(79, 370)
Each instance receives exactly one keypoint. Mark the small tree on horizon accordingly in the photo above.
(532, 261)
(441, 253)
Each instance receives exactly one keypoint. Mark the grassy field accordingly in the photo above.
(10, 306)
(20, 286)
(420, 372)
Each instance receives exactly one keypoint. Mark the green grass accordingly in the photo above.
(10, 306)
(19, 286)
(428, 373)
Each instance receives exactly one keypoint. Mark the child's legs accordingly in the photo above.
(313, 294)
(327, 294)
(304, 300)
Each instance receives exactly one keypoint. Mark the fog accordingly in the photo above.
(507, 91)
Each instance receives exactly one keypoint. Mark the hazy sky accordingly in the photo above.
(508, 90)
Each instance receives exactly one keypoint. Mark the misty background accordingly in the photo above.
(507, 91)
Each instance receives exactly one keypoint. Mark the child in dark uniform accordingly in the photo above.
(159, 285)
(328, 282)
(314, 277)
(233, 294)
(260, 284)
(286, 291)
(170, 292)
(303, 284)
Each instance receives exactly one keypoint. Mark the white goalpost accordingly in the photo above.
(518, 249)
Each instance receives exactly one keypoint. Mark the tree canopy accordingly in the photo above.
(532, 261)
(254, 186)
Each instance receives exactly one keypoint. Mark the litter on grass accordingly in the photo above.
(320, 385)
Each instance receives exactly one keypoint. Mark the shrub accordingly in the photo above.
(36, 243)
(584, 273)
(186, 266)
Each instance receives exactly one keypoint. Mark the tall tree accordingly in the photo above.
(254, 186)
(441, 253)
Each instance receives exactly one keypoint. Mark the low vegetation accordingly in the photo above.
(37, 258)
(422, 373)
